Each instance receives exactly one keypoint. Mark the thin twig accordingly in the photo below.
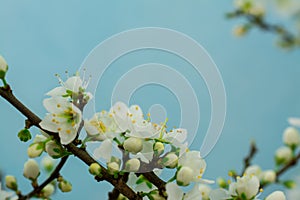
(55, 174)
(249, 157)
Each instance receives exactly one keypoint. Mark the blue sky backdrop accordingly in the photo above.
(42, 38)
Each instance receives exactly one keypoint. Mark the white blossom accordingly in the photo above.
(7, 195)
(71, 87)
(63, 117)
(101, 126)
(175, 193)
(192, 161)
(247, 185)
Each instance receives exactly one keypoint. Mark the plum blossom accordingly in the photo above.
(197, 193)
(191, 168)
(71, 87)
(7, 195)
(63, 117)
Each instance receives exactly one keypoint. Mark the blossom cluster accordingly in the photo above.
(128, 142)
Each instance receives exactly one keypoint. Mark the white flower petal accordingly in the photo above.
(48, 124)
(58, 91)
(294, 121)
(73, 83)
(174, 192)
(104, 150)
(219, 194)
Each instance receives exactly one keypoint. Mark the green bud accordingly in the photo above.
(290, 184)
(24, 135)
(65, 186)
(222, 183)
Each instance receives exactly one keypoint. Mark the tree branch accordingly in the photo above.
(7, 94)
(249, 157)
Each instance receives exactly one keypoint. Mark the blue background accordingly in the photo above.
(42, 38)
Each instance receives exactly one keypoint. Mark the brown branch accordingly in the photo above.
(286, 36)
(249, 157)
(292, 163)
(7, 94)
(55, 174)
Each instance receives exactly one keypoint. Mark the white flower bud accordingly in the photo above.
(31, 169)
(133, 145)
(170, 160)
(204, 190)
(53, 149)
(283, 155)
(11, 182)
(95, 169)
(155, 195)
(184, 176)
(48, 190)
(253, 170)
(159, 148)
(35, 150)
(291, 136)
(65, 186)
(3, 67)
(269, 176)
(48, 163)
(132, 165)
(247, 185)
(113, 167)
(277, 195)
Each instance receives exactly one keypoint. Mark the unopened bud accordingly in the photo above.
(113, 167)
(48, 163)
(65, 186)
(291, 137)
(31, 169)
(133, 145)
(269, 176)
(24, 135)
(35, 150)
(277, 195)
(159, 148)
(3, 67)
(11, 182)
(95, 169)
(184, 176)
(170, 160)
(48, 190)
(132, 165)
(53, 149)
